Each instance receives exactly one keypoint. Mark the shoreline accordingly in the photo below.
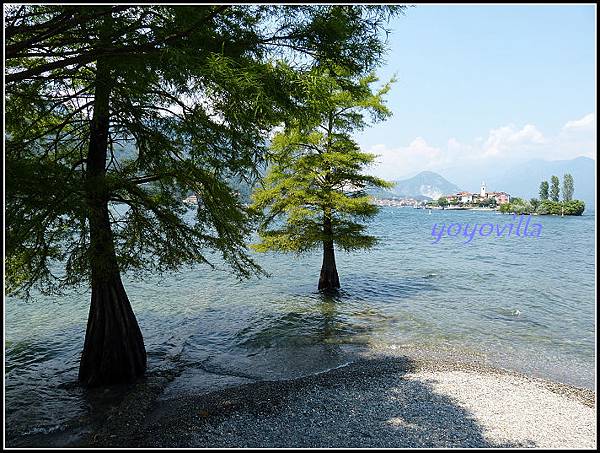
(587, 211)
(486, 210)
(381, 400)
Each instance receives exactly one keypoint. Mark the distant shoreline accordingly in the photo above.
(587, 211)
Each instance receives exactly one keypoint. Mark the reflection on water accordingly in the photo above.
(524, 304)
(318, 322)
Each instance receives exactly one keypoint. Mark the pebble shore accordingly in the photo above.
(379, 402)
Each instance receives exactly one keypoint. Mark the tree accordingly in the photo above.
(554, 188)
(568, 187)
(573, 207)
(518, 206)
(443, 202)
(113, 113)
(549, 207)
(314, 193)
(487, 202)
(544, 190)
(534, 202)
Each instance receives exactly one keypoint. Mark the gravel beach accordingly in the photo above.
(380, 402)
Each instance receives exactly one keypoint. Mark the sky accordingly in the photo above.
(479, 86)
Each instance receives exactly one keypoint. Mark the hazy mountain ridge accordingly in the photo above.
(426, 185)
(523, 179)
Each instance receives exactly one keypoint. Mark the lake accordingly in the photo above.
(524, 303)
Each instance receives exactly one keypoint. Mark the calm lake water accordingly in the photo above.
(524, 303)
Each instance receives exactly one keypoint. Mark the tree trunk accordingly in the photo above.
(329, 280)
(113, 351)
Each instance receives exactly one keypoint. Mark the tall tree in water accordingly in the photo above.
(114, 113)
(544, 190)
(314, 192)
(568, 187)
(554, 188)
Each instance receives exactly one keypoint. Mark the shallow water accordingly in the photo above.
(524, 303)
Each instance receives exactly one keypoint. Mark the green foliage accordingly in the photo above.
(543, 207)
(443, 202)
(554, 188)
(549, 207)
(568, 187)
(505, 208)
(534, 202)
(520, 206)
(517, 205)
(487, 203)
(544, 187)
(194, 92)
(573, 207)
(317, 168)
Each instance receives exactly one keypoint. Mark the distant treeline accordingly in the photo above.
(548, 203)
(543, 207)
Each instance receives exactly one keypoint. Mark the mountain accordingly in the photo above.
(524, 180)
(427, 185)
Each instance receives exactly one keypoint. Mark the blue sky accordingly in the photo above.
(485, 83)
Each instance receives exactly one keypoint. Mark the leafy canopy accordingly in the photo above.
(554, 188)
(544, 188)
(568, 187)
(194, 92)
(317, 169)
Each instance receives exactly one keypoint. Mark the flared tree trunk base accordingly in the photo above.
(114, 351)
(329, 280)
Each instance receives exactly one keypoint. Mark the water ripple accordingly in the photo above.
(528, 304)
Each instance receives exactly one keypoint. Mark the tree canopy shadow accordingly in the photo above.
(369, 403)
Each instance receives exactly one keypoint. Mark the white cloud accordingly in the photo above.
(505, 143)
(392, 162)
(577, 138)
(508, 139)
(587, 123)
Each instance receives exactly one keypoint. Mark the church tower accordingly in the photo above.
(483, 192)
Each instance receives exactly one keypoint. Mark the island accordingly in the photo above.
(484, 200)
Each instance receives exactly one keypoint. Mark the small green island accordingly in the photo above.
(548, 203)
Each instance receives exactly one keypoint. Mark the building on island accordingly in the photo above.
(398, 203)
(500, 197)
(465, 197)
(459, 200)
(483, 195)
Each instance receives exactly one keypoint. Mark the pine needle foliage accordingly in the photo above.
(318, 172)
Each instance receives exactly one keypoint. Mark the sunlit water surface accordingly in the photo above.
(524, 303)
